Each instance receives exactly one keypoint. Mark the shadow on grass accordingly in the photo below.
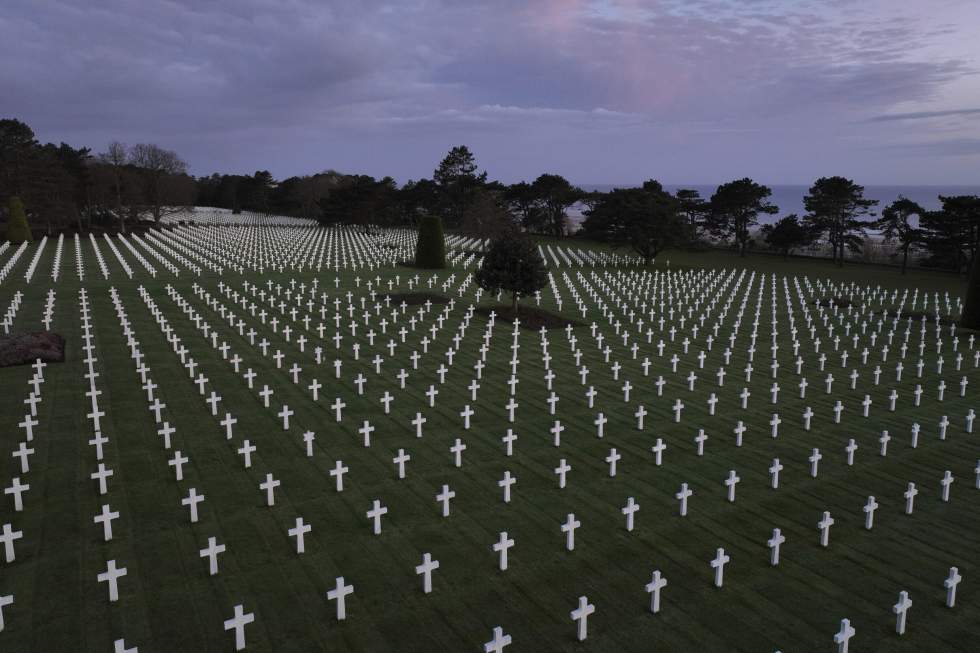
(530, 317)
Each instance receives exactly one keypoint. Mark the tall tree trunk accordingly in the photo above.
(513, 303)
(905, 258)
(971, 308)
(119, 211)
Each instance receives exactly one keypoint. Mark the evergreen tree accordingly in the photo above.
(835, 207)
(512, 264)
(457, 179)
(18, 231)
(971, 308)
(430, 249)
(787, 234)
(648, 219)
(735, 209)
(895, 225)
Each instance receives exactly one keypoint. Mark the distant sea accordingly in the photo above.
(789, 198)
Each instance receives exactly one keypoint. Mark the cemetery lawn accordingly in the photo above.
(168, 602)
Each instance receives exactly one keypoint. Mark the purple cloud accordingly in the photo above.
(610, 91)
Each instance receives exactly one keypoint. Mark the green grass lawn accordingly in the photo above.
(168, 602)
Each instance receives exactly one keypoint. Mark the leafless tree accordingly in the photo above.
(157, 166)
(115, 159)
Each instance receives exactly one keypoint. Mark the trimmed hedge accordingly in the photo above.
(971, 309)
(430, 250)
(17, 229)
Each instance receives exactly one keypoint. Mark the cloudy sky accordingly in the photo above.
(686, 91)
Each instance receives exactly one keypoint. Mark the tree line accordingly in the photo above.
(64, 187)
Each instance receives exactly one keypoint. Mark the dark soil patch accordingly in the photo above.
(530, 317)
(839, 302)
(25, 348)
(915, 315)
(408, 263)
(416, 298)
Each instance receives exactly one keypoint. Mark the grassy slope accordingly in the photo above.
(169, 603)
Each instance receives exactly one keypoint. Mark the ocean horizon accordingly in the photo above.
(789, 197)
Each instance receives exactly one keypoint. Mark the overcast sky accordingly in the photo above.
(692, 91)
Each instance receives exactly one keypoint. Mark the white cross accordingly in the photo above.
(156, 407)
(386, 399)
(338, 407)
(824, 526)
(629, 509)
(23, 452)
(501, 546)
(814, 459)
(612, 459)
(299, 532)
(97, 442)
(247, 449)
(444, 497)
(730, 483)
(909, 495)
(678, 407)
(657, 583)
(946, 481)
(7, 537)
(506, 482)
(901, 610)
(366, 431)
(4, 602)
(211, 553)
(600, 422)
(105, 518)
(284, 414)
(102, 474)
(112, 575)
(425, 570)
(774, 470)
(950, 585)
(499, 641)
(213, 399)
(375, 513)
(339, 470)
(569, 529)
(238, 623)
(844, 635)
(700, 439)
(400, 460)
(177, 462)
(269, 485)
(466, 413)
(28, 424)
(683, 496)
(869, 512)
(509, 439)
(774, 543)
(739, 431)
(338, 594)
(457, 450)
(639, 415)
(581, 615)
(192, 499)
(774, 423)
(417, 422)
(562, 469)
(718, 564)
(658, 450)
(228, 422)
(850, 449)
